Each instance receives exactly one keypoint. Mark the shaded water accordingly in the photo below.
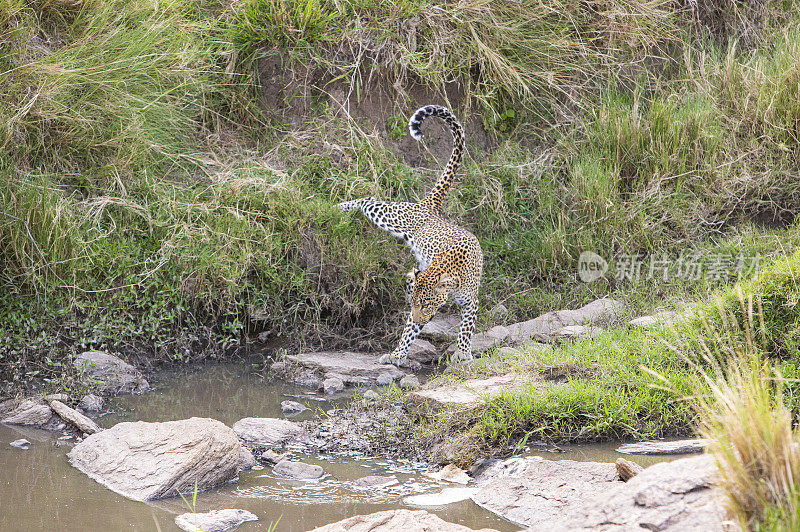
(39, 490)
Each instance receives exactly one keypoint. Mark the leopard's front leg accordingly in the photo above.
(399, 356)
(469, 312)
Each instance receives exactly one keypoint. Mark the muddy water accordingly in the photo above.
(39, 490)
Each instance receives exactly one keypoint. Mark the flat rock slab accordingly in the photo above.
(213, 521)
(443, 328)
(538, 493)
(443, 498)
(352, 368)
(467, 394)
(34, 414)
(110, 374)
(146, 461)
(396, 520)
(664, 447)
(545, 327)
(268, 431)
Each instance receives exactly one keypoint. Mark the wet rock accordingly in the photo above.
(213, 521)
(627, 469)
(292, 407)
(467, 394)
(451, 473)
(309, 378)
(442, 328)
(21, 444)
(352, 368)
(371, 395)
(542, 494)
(375, 482)
(394, 520)
(670, 496)
(146, 461)
(92, 403)
(664, 447)
(271, 457)
(34, 414)
(423, 351)
(446, 496)
(544, 327)
(409, 382)
(298, 470)
(246, 459)
(109, 374)
(268, 431)
(72, 416)
(333, 385)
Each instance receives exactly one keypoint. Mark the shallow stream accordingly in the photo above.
(40, 491)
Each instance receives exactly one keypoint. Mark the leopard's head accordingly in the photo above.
(428, 291)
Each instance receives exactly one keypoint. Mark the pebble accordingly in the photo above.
(21, 444)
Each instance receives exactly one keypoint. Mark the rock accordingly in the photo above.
(659, 318)
(268, 431)
(542, 494)
(451, 473)
(292, 407)
(246, 459)
(279, 367)
(213, 521)
(670, 496)
(483, 342)
(309, 378)
(446, 496)
(263, 336)
(271, 457)
(394, 520)
(70, 415)
(385, 379)
(409, 382)
(110, 374)
(374, 482)
(298, 470)
(333, 385)
(33, 414)
(664, 447)
(8, 405)
(371, 395)
(544, 327)
(21, 444)
(351, 368)
(443, 328)
(627, 469)
(146, 461)
(467, 394)
(576, 332)
(498, 312)
(64, 398)
(92, 403)
(423, 351)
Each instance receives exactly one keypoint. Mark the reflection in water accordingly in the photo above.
(39, 490)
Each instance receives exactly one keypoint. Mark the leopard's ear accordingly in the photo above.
(446, 284)
(412, 275)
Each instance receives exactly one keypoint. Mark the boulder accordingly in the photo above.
(351, 368)
(442, 328)
(271, 457)
(466, 395)
(268, 431)
(91, 403)
(109, 374)
(409, 382)
(423, 351)
(72, 416)
(374, 482)
(246, 459)
(394, 520)
(292, 407)
(544, 328)
(146, 461)
(213, 521)
(298, 470)
(34, 414)
(333, 385)
(664, 447)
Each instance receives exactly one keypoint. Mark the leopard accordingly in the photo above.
(449, 258)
